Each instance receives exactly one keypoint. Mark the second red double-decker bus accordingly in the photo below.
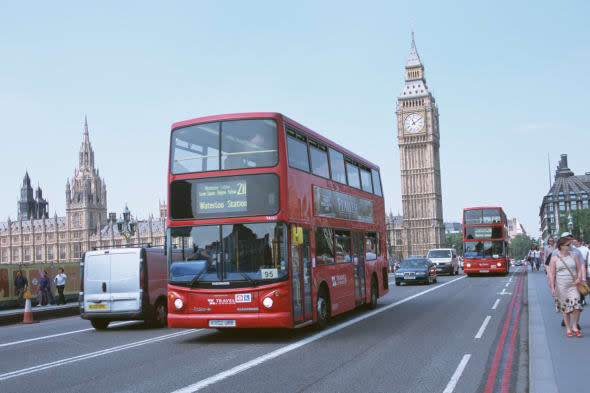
(485, 240)
(269, 225)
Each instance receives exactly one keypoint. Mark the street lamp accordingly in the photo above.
(126, 225)
(570, 223)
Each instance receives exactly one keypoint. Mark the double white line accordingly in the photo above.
(78, 358)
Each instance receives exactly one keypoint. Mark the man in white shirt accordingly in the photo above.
(60, 283)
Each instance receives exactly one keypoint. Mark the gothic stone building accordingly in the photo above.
(36, 238)
(418, 138)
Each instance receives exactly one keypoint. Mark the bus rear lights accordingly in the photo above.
(267, 302)
(178, 303)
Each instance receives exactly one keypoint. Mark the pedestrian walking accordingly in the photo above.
(21, 284)
(531, 258)
(584, 251)
(537, 257)
(565, 271)
(44, 289)
(60, 283)
(548, 252)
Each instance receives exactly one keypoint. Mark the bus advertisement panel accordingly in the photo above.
(269, 225)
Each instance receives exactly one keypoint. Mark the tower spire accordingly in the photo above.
(413, 57)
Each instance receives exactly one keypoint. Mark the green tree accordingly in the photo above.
(454, 240)
(520, 246)
(581, 221)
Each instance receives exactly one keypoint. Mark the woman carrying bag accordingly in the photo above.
(563, 283)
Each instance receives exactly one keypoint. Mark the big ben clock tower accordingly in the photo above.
(418, 139)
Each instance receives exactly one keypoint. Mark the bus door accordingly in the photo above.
(358, 258)
(301, 277)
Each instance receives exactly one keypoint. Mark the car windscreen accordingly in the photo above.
(439, 254)
(414, 263)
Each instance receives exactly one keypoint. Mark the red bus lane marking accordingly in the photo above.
(494, 369)
(508, 366)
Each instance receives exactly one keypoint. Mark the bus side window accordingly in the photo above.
(297, 151)
(324, 245)
(371, 245)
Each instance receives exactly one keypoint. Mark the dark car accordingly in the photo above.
(414, 270)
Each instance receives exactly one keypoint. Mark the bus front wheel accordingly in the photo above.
(323, 311)
(374, 294)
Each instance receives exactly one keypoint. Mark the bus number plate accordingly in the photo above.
(484, 271)
(222, 323)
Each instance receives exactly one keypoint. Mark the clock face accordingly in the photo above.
(414, 123)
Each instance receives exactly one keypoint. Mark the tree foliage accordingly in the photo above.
(581, 221)
(454, 240)
(520, 246)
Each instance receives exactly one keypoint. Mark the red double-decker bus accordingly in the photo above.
(485, 240)
(269, 225)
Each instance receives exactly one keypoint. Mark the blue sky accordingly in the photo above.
(511, 81)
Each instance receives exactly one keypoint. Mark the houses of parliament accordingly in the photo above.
(34, 237)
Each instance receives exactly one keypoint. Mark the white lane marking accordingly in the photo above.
(483, 327)
(495, 304)
(78, 358)
(510, 280)
(455, 378)
(63, 334)
(508, 283)
(276, 353)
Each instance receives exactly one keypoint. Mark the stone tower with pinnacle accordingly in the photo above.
(419, 142)
(86, 194)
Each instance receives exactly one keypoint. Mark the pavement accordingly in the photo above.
(15, 315)
(556, 362)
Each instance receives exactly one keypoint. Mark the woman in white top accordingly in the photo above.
(563, 285)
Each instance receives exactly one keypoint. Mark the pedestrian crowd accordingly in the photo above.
(45, 294)
(567, 269)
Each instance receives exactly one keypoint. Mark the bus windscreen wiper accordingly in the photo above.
(196, 278)
(248, 278)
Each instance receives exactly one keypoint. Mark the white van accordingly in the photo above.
(124, 284)
(445, 259)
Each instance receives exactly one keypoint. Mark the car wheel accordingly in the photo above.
(374, 295)
(323, 310)
(100, 324)
(435, 280)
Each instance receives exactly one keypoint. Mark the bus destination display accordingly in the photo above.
(222, 197)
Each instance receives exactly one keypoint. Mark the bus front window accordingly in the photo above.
(252, 253)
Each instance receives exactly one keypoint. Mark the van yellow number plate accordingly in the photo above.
(97, 306)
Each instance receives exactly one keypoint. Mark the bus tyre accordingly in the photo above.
(160, 317)
(322, 308)
(99, 324)
(374, 294)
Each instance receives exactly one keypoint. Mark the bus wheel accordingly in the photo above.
(374, 295)
(99, 324)
(322, 310)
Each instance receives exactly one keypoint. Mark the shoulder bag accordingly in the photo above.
(583, 287)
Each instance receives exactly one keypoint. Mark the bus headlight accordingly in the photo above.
(267, 302)
(468, 264)
(178, 303)
(499, 264)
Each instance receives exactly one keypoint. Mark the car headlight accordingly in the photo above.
(178, 303)
(267, 302)
(399, 274)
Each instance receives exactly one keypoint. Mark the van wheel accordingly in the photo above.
(323, 310)
(160, 317)
(100, 324)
